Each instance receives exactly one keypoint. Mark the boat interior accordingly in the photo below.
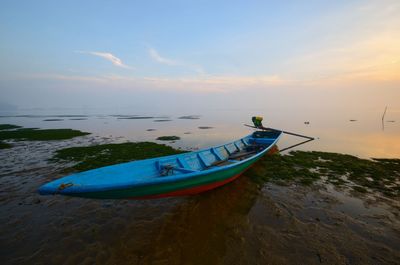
(218, 156)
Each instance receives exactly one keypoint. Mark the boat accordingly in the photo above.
(175, 175)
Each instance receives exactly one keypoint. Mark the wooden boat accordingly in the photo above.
(175, 175)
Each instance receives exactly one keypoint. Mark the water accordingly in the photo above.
(334, 131)
(236, 224)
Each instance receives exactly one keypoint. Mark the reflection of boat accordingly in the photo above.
(175, 175)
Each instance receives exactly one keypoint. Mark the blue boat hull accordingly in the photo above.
(176, 175)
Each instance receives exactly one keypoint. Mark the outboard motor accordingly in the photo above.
(257, 121)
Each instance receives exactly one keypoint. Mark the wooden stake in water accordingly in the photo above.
(383, 119)
(290, 133)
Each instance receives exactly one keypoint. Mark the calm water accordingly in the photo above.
(236, 224)
(364, 137)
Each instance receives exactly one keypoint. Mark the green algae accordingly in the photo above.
(190, 117)
(91, 157)
(4, 145)
(135, 118)
(53, 120)
(168, 138)
(8, 126)
(381, 175)
(34, 134)
(162, 120)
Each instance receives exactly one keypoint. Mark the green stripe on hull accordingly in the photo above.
(170, 187)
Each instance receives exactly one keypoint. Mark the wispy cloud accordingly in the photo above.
(155, 55)
(63, 77)
(158, 58)
(195, 84)
(109, 57)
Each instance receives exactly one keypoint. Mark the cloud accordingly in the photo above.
(158, 58)
(195, 84)
(162, 60)
(108, 56)
(62, 77)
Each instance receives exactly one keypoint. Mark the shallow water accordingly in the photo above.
(334, 131)
(240, 223)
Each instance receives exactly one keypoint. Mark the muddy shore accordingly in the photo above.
(245, 222)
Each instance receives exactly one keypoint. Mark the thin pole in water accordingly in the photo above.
(383, 119)
(309, 139)
(290, 147)
(290, 133)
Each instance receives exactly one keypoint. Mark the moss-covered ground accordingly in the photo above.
(53, 120)
(168, 138)
(190, 117)
(35, 134)
(8, 126)
(381, 175)
(4, 145)
(91, 157)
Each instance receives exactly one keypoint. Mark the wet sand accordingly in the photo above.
(241, 223)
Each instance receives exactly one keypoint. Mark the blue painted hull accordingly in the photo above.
(175, 175)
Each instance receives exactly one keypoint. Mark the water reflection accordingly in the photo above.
(335, 133)
(199, 230)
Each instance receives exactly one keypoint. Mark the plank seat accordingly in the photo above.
(203, 160)
(217, 153)
(237, 146)
(183, 163)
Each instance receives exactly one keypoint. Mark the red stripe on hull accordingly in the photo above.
(191, 191)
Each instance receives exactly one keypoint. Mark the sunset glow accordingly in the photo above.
(119, 51)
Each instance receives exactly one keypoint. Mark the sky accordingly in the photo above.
(200, 54)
